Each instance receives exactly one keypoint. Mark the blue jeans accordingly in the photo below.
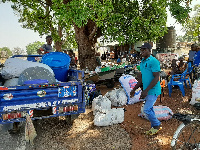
(148, 110)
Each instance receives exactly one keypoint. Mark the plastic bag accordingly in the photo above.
(128, 82)
(30, 132)
(162, 113)
(15, 66)
(117, 97)
(113, 116)
(101, 104)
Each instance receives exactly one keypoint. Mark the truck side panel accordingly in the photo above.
(61, 98)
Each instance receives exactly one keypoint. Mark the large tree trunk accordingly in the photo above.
(58, 44)
(86, 38)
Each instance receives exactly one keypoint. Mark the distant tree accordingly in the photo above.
(7, 51)
(33, 47)
(185, 38)
(180, 38)
(192, 26)
(18, 51)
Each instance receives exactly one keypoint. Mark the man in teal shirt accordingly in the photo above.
(150, 69)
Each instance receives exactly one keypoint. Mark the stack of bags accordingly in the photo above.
(103, 114)
(16, 71)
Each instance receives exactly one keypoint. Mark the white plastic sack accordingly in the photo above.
(101, 104)
(113, 116)
(128, 82)
(11, 82)
(102, 119)
(163, 113)
(195, 92)
(117, 115)
(15, 66)
(117, 97)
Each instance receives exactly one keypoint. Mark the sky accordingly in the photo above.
(13, 35)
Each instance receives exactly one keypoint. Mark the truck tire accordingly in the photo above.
(15, 129)
(89, 82)
(70, 118)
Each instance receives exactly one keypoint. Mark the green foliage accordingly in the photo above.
(7, 50)
(39, 16)
(192, 26)
(33, 47)
(186, 38)
(80, 11)
(179, 12)
(70, 42)
(125, 21)
(134, 21)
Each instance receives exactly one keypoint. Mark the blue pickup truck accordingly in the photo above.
(43, 100)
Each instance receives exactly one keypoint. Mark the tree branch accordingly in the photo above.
(42, 4)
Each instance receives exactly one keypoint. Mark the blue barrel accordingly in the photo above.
(59, 62)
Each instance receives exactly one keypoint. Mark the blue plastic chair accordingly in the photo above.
(190, 68)
(189, 72)
(179, 81)
(186, 78)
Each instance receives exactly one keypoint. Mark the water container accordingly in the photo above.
(59, 63)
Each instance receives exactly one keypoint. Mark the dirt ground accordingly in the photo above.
(136, 126)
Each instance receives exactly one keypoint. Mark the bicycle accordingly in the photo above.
(187, 135)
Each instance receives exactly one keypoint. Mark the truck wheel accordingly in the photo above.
(89, 82)
(15, 128)
(110, 83)
(70, 118)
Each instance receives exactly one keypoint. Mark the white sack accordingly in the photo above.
(15, 66)
(117, 115)
(117, 97)
(102, 119)
(195, 92)
(128, 82)
(113, 116)
(11, 82)
(101, 104)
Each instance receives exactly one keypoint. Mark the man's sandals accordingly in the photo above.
(153, 131)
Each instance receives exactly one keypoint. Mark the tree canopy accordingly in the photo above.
(33, 47)
(125, 21)
(7, 51)
(192, 26)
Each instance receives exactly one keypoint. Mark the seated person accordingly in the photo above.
(182, 65)
(71, 55)
(174, 70)
(174, 67)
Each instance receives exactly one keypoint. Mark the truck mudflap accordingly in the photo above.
(41, 101)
